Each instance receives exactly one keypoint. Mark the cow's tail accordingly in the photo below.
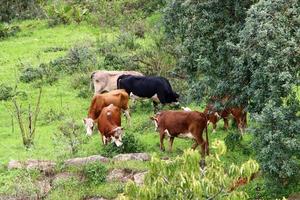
(206, 132)
(118, 81)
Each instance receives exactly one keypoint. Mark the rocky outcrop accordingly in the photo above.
(86, 160)
(132, 156)
(44, 166)
(124, 175)
(138, 178)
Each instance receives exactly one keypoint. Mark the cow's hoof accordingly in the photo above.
(162, 150)
(202, 163)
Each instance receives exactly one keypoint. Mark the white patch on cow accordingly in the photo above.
(155, 98)
(117, 132)
(208, 122)
(217, 115)
(108, 113)
(186, 135)
(167, 132)
(89, 124)
(156, 125)
(186, 109)
(104, 139)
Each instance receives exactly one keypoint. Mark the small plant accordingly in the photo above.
(6, 92)
(70, 136)
(52, 115)
(27, 127)
(130, 145)
(31, 74)
(95, 173)
(6, 31)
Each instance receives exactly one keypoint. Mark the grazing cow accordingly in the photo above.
(182, 124)
(238, 113)
(109, 125)
(105, 81)
(118, 98)
(155, 87)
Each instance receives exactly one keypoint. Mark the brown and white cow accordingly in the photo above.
(239, 115)
(118, 98)
(182, 124)
(105, 81)
(109, 125)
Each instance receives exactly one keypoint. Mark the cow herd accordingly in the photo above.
(113, 89)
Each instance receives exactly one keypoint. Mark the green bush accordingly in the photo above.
(20, 9)
(31, 74)
(6, 30)
(182, 178)
(6, 92)
(95, 173)
(128, 40)
(130, 145)
(69, 138)
(51, 116)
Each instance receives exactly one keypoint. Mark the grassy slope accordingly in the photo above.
(28, 47)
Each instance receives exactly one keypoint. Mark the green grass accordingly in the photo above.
(28, 48)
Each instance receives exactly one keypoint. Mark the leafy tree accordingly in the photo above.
(207, 32)
(267, 75)
(182, 178)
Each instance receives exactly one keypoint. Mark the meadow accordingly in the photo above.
(58, 52)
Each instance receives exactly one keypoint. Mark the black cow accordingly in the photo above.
(155, 87)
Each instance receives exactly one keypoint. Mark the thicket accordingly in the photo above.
(182, 178)
(248, 50)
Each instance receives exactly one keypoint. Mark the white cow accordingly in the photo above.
(105, 81)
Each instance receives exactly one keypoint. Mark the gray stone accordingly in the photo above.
(132, 156)
(139, 177)
(43, 187)
(295, 196)
(121, 175)
(14, 164)
(65, 176)
(45, 166)
(86, 160)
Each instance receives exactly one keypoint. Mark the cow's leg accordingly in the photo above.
(171, 140)
(155, 105)
(162, 136)
(202, 144)
(225, 123)
(127, 114)
(195, 145)
(214, 127)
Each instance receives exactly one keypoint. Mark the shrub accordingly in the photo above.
(114, 61)
(128, 40)
(69, 137)
(95, 173)
(20, 9)
(130, 145)
(52, 115)
(80, 58)
(6, 92)
(31, 74)
(6, 31)
(181, 178)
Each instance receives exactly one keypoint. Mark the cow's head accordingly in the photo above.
(155, 120)
(175, 99)
(89, 125)
(116, 136)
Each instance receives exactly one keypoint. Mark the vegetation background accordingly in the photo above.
(249, 49)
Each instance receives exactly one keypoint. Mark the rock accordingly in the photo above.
(86, 160)
(295, 196)
(132, 156)
(43, 187)
(139, 177)
(95, 198)
(45, 166)
(65, 176)
(14, 164)
(122, 175)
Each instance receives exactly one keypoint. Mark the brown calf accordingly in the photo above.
(109, 125)
(118, 98)
(186, 124)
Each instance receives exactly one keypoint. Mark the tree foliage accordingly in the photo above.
(182, 178)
